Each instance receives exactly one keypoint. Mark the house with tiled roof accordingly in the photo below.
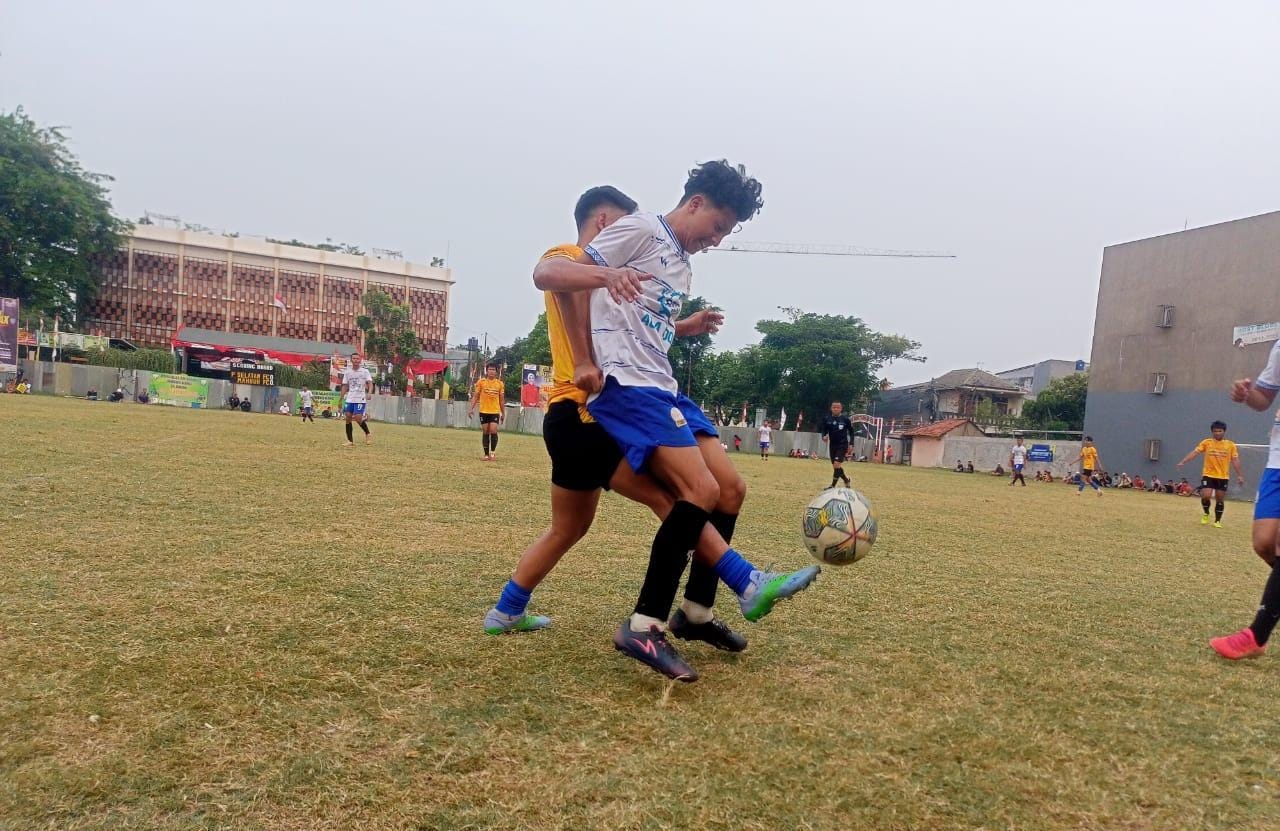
(924, 446)
(961, 393)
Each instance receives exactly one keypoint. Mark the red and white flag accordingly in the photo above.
(279, 303)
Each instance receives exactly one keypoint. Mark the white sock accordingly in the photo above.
(641, 623)
(696, 612)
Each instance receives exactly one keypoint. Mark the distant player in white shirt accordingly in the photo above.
(1017, 461)
(307, 405)
(1260, 394)
(357, 386)
(765, 434)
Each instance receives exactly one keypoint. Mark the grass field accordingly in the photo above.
(220, 620)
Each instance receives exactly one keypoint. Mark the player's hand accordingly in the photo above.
(824, 439)
(588, 378)
(1240, 390)
(624, 284)
(705, 322)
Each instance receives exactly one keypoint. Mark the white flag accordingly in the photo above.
(782, 422)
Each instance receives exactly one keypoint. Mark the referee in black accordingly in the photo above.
(837, 431)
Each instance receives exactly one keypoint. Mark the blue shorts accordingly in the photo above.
(643, 418)
(1017, 468)
(764, 445)
(1268, 504)
(353, 408)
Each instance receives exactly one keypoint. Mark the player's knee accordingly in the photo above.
(732, 494)
(703, 491)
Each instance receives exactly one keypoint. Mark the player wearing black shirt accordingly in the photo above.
(838, 432)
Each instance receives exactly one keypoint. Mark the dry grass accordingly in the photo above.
(217, 620)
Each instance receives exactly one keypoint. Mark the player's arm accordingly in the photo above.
(475, 396)
(1253, 394)
(502, 403)
(563, 274)
(1235, 462)
(575, 312)
(1191, 455)
(704, 322)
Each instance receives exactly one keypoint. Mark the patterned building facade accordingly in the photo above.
(165, 279)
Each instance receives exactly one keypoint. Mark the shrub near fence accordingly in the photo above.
(151, 360)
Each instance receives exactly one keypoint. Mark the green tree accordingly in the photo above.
(55, 219)
(388, 335)
(533, 348)
(809, 360)
(688, 356)
(1060, 405)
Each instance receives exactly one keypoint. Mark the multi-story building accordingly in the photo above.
(960, 393)
(1169, 338)
(165, 279)
(1033, 378)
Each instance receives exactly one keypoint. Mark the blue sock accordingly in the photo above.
(514, 599)
(734, 571)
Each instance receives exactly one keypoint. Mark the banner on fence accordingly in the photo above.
(8, 334)
(178, 390)
(1242, 336)
(319, 400)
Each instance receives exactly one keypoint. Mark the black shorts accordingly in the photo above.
(1216, 484)
(1086, 473)
(838, 452)
(489, 418)
(583, 456)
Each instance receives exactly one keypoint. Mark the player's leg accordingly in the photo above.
(493, 437)
(1219, 506)
(700, 590)
(571, 515)
(1252, 640)
(1205, 493)
(364, 425)
(346, 413)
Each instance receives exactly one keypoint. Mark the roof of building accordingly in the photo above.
(938, 429)
(263, 342)
(957, 378)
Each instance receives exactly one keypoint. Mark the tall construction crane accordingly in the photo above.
(825, 250)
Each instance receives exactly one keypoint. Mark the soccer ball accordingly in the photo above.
(839, 526)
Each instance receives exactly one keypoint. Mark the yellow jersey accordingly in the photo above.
(1217, 457)
(491, 393)
(562, 362)
(1089, 458)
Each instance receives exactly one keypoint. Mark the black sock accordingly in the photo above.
(348, 431)
(364, 427)
(1204, 503)
(1269, 611)
(701, 587)
(839, 474)
(493, 441)
(1217, 511)
(677, 536)
(484, 440)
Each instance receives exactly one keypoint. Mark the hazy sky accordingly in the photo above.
(1022, 137)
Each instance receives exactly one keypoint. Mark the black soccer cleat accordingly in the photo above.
(652, 648)
(715, 632)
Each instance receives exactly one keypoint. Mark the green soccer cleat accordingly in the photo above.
(768, 587)
(496, 623)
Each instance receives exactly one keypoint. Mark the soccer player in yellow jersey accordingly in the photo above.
(489, 393)
(1088, 460)
(1219, 452)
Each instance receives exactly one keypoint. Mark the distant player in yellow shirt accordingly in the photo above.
(1088, 460)
(1219, 453)
(489, 393)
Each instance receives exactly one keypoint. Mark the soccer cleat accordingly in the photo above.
(497, 623)
(768, 587)
(1217, 524)
(348, 444)
(714, 632)
(368, 440)
(1204, 520)
(1238, 645)
(653, 649)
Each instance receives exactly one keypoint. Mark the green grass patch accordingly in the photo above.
(219, 620)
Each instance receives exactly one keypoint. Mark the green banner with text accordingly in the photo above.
(178, 390)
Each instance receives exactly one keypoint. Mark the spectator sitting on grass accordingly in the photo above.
(999, 471)
(969, 467)
(118, 395)
(1125, 481)
(1138, 483)
(959, 466)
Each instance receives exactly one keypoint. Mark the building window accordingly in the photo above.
(1158, 382)
(1153, 449)
(1165, 318)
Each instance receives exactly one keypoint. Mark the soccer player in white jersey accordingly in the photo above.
(764, 434)
(637, 401)
(1260, 394)
(357, 386)
(1017, 461)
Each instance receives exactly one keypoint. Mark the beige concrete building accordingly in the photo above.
(165, 279)
(1164, 349)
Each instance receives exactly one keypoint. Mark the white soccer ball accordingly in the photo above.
(839, 526)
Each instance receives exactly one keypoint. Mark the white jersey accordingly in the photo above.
(765, 434)
(355, 380)
(306, 399)
(1269, 379)
(631, 339)
(1019, 454)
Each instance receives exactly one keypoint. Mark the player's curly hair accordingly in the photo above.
(727, 186)
(598, 197)
(1218, 425)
